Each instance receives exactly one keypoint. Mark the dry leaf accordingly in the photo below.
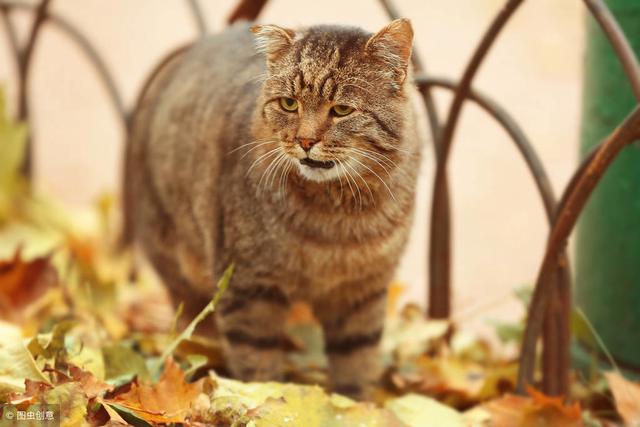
(91, 386)
(168, 401)
(22, 282)
(538, 410)
(627, 397)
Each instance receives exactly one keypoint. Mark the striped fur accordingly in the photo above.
(213, 176)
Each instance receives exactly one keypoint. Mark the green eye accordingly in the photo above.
(341, 110)
(289, 104)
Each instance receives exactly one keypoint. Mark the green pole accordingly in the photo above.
(608, 237)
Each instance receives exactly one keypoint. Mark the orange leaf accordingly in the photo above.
(627, 397)
(168, 401)
(22, 282)
(535, 411)
(395, 290)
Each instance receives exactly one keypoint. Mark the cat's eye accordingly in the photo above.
(341, 110)
(289, 104)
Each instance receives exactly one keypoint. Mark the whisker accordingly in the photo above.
(363, 180)
(377, 176)
(335, 159)
(280, 162)
(354, 183)
(269, 170)
(262, 158)
(373, 159)
(257, 141)
(353, 194)
(283, 180)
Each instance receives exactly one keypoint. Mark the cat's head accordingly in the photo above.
(333, 97)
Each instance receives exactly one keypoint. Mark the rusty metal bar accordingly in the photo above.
(556, 328)
(440, 245)
(24, 68)
(575, 198)
(246, 9)
(512, 128)
(92, 54)
(12, 35)
(418, 66)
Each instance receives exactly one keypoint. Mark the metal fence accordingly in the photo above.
(549, 310)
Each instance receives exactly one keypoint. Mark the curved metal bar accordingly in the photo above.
(418, 66)
(246, 9)
(439, 254)
(575, 198)
(618, 41)
(516, 133)
(198, 16)
(24, 71)
(89, 50)
(556, 327)
(434, 124)
(98, 63)
(11, 32)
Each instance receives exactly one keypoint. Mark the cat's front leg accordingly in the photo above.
(251, 317)
(352, 317)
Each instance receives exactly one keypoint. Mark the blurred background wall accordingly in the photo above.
(499, 227)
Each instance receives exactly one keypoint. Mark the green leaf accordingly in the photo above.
(223, 283)
(16, 362)
(13, 142)
(122, 363)
(508, 332)
(524, 294)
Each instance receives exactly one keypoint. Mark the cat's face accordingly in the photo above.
(333, 98)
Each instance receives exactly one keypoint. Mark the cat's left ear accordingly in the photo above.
(273, 40)
(393, 45)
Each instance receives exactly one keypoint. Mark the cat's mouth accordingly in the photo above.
(317, 163)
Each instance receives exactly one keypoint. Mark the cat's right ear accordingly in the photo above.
(272, 40)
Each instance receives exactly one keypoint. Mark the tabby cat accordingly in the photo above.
(292, 154)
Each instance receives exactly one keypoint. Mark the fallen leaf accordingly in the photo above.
(289, 405)
(537, 410)
(419, 411)
(72, 401)
(23, 282)
(167, 401)
(121, 362)
(627, 397)
(92, 387)
(16, 363)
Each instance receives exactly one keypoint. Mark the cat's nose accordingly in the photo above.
(307, 143)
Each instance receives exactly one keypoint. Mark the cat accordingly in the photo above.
(294, 155)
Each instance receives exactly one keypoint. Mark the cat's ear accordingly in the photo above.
(272, 40)
(393, 44)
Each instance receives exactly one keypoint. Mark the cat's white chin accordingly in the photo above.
(318, 174)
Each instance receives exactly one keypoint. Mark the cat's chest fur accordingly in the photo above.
(314, 243)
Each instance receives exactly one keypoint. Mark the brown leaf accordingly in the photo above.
(34, 392)
(91, 386)
(168, 401)
(627, 397)
(22, 282)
